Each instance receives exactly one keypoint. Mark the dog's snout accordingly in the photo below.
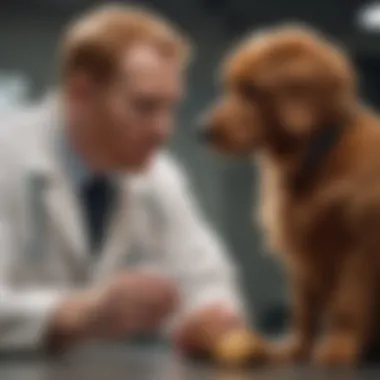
(205, 134)
(209, 128)
(204, 129)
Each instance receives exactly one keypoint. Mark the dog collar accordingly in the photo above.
(321, 145)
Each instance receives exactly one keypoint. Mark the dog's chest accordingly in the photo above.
(311, 224)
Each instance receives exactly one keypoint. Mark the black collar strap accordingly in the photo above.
(321, 145)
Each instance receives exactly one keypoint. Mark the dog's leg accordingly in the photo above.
(350, 314)
(305, 312)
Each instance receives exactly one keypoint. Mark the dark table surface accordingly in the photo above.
(142, 363)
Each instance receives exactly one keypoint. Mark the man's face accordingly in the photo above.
(134, 115)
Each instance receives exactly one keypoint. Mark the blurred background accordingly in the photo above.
(29, 31)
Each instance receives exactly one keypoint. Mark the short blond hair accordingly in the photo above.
(95, 42)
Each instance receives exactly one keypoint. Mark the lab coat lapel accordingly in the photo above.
(61, 203)
(118, 237)
(64, 209)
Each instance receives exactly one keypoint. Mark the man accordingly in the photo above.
(85, 190)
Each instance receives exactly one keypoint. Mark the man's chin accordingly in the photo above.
(139, 166)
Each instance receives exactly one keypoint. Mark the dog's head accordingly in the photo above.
(280, 87)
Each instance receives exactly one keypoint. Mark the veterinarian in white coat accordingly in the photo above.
(55, 289)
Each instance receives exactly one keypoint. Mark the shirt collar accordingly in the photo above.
(76, 168)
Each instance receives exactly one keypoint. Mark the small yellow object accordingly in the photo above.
(236, 348)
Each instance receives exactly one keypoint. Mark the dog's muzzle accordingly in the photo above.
(207, 134)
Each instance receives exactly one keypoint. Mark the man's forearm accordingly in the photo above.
(131, 303)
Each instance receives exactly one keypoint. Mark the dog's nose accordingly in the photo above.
(205, 134)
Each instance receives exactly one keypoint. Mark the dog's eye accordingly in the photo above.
(298, 88)
(249, 90)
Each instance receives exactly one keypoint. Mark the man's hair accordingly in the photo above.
(95, 42)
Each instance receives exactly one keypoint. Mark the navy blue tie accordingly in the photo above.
(98, 198)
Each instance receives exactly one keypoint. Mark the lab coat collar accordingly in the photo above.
(61, 202)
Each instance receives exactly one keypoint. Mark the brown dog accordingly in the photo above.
(290, 98)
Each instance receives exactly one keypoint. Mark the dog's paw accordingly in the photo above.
(336, 352)
(289, 351)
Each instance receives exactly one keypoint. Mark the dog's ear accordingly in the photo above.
(296, 109)
(341, 97)
(304, 103)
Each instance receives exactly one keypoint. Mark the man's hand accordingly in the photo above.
(220, 334)
(131, 303)
(199, 333)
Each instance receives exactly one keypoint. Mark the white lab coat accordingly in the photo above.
(43, 244)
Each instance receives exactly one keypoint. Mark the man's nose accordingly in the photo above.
(162, 130)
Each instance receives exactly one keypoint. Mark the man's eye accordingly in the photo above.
(147, 105)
